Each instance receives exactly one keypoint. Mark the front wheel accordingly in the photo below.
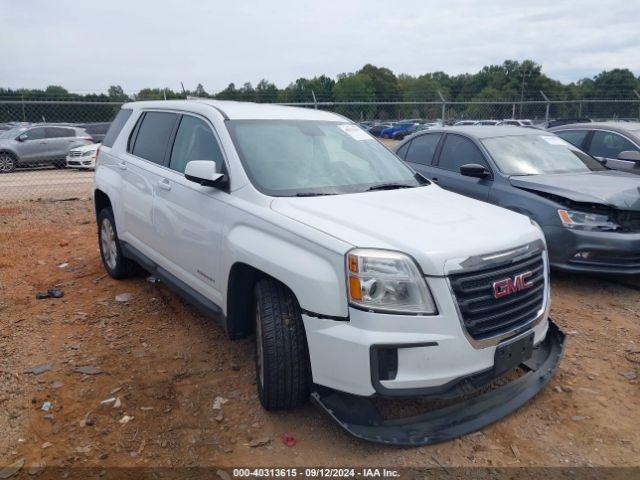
(283, 370)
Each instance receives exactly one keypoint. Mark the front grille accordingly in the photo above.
(484, 315)
(75, 154)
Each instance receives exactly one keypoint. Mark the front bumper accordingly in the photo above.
(608, 252)
(80, 162)
(434, 352)
(358, 415)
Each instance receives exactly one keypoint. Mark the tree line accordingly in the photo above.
(510, 81)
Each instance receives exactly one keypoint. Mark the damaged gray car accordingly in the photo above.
(589, 213)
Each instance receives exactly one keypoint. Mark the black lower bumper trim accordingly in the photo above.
(358, 415)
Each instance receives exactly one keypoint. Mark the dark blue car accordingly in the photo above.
(397, 127)
(590, 214)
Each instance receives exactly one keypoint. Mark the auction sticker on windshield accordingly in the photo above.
(355, 132)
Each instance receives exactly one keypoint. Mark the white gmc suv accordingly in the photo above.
(358, 277)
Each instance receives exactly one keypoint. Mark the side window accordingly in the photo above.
(423, 148)
(194, 141)
(403, 150)
(58, 132)
(458, 151)
(609, 145)
(35, 133)
(574, 137)
(116, 127)
(153, 136)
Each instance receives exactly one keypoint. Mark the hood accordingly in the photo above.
(612, 188)
(86, 148)
(428, 223)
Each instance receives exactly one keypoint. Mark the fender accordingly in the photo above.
(313, 273)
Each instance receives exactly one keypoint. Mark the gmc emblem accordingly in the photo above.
(505, 287)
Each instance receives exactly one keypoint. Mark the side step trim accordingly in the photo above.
(194, 297)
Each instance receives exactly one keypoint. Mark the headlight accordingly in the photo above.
(89, 153)
(587, 221)
(387, 281)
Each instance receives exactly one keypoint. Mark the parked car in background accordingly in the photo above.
(512, 122)
(558, 122)
(83, 157)
(39, 145)
(97, 130)
(590, 215)
(615, 144)
(410, 130)
(400, 126)
(376, 130)
(488, 122)
(355, 276)
(461, 123)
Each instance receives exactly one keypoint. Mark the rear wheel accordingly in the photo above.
(7, 163)
(114, 262)
(283, 371)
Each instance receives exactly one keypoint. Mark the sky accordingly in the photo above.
(88, 45)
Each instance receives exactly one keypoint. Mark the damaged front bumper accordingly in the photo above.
(359, 416)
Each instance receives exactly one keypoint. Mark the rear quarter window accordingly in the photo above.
(153, 136)
(116, 127)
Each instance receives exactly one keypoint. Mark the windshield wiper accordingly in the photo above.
(312, 194)
(389, 186)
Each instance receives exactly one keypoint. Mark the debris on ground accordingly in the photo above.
(126, 419)
(11, 470)
(218, 402)
(63, 265)
(631, 375)
(38, 369)
(107, 401)
(46, 406)
(51, 293)
(123, 297)
(288, 439)
(117, 403)
(259, 442)
(85, 449)
(88, 370)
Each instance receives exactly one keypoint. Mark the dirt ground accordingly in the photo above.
(165, 364)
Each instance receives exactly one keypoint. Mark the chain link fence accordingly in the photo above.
(45, 174)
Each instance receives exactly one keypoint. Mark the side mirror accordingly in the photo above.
(629, 155)
(23, 138)
(474, 170)
(203, 172)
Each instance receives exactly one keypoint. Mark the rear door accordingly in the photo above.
(577, 138)
(419, 153)
(456, 151)
(143, 166)
(189, 218)
(59, 141)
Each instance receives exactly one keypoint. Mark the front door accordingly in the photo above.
(189, 218)
(606, 146)
(34, 148)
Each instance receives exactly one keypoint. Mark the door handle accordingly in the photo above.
(164, 184)
(122, 165)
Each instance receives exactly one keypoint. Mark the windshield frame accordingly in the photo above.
(569, 146)
(417, 180)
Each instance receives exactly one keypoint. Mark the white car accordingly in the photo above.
(83, 157)
(357, 276)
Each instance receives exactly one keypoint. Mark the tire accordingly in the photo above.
(115, 263)
(283, 370)
(7, 163)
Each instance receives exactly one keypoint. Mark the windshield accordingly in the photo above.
(12, 133)
(304, 157)
(538, 154)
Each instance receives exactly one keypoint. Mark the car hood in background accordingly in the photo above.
(611, 188)
(432, 225)
(86, 148)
